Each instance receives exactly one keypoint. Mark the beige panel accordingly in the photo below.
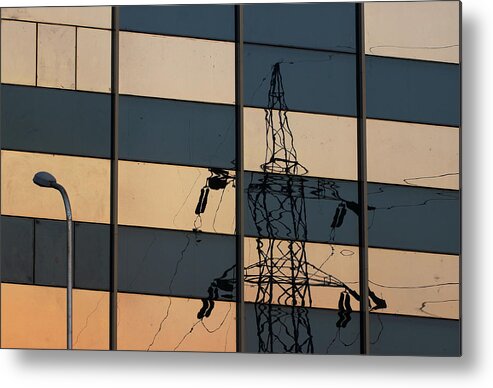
(80, 16)
(420, 30)
(414, 283)
(413, 154)
(165, 196)
(56, 56)
(18, 53)
(176, 67)
(326, 145)
(325, 260)
(91, 328)
(94, 60)
(87, 181)
(35, 317)
(154, 323)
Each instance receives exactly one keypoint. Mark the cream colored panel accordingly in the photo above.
(36, 317)
(420, 30)
(414, 283)
(165, 196)
(154, 323)
(413, 154)
(18, 53)
(91, 328)
(56, 56)
(33, 317)
(87, 181)
(94, 60)
(331, 269)
(176, 67)
(80, 16)
(326, 145)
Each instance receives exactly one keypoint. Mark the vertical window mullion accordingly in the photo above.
(362, 181)
(115, 30)
(240, 234)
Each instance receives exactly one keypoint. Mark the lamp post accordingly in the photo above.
(45, 179)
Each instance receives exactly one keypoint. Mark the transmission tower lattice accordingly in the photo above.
(282, 275)
(277, 205)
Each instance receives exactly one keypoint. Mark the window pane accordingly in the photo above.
(399, 335)
(283, 329)
(176, 67)
(153, 323)
(313, 81)
(208, 21)
(35, 317)
(319, 26)
(168, 262)
(325, 144)
(420, 155)
(86, 179)
(17, 250)
(56, 121)
(414, 218)
(391, 30)
(179, 132)
(415, 91)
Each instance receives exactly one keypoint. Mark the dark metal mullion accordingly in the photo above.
(240, 233)
(362, 181)
(460, 179)
(0, 183)
(115, 29)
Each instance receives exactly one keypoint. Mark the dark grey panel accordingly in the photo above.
(416, 91)
(400, 217)
(279, 329)
(414, 218)
(56, 121)
(328, 26)
(201, 21)
(313, 81)
(414, 336)
(301, 208)
(177, 132)
(176, 263)
(92, 256)
(17, 249)
(50, 253)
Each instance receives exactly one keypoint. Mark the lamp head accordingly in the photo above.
(44, 179)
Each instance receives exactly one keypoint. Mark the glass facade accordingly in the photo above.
(237, 184)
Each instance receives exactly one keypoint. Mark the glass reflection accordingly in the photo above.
(390, 30)
(328, 26)
(400, 335)
(210, 21)
(35, 317)
(177, 67)
(414, 218)
(178, 132)
(280, 277)
(420, 155)
(169, 262)
(176, 197)
(293, 329)
(321, 82)
(416, 283)
(153, 323)
(331, 269)
(325, 143)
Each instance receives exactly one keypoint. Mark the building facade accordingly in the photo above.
(272, 178)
